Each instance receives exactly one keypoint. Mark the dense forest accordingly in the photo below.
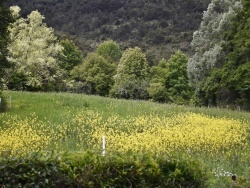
(164, 51)
(158, 27)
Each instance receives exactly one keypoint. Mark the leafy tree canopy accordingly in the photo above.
(71, 55)
(131, 77)
(5, 19)
(95, 74)
(208, 41)
(109, 50)
(35, 53)
(230, 84)
(169, 81)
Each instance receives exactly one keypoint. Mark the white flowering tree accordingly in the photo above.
(35, 52)
(209, 39)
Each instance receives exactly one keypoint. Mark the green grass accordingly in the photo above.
(58, 108)
(54, 106)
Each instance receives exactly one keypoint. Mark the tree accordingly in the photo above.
(95, 74)
(35, 52)
(177, 82)
(208, 41)
(157, 90)
(131, 79)
(110, 50)
(71, 55)
(5, 19)
(230, 84)
(169, 82)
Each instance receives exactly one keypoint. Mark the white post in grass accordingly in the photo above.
(103, 146)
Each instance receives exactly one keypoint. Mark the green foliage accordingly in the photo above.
(208, 40)
(95, 74)
(230, 84)
(176, 78)
(131, 77)
(91, 170)
(35, 170)
(157, 91)
(5, 19)
(169, 82)
(110, 50)
(71, 55)
(34, 52)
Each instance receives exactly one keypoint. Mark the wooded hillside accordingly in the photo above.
(159, 27)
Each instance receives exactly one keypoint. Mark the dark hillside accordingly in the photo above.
(159, 26)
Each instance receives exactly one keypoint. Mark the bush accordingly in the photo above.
(90, 170)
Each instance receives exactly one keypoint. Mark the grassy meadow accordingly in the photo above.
(76, 123)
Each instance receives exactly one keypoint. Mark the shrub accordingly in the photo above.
(91, 170)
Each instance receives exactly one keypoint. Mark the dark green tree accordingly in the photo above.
(5, 19)
(230, 84)
(169, 82)
(176, 79)
(71, 55)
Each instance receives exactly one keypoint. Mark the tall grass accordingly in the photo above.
(75, 122)
(53, 106)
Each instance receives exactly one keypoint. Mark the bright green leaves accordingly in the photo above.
(110, 50)
(131, 79)
(95, 74)
(169, 80)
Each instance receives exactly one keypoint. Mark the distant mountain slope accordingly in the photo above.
(159, 26)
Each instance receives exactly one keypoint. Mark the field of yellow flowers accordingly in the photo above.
(45, 122)
(183, 132)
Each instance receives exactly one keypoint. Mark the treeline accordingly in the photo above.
(42, 63)
(160, 27)
(218, 74)
(220, 68)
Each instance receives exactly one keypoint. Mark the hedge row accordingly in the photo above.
(90, 170)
